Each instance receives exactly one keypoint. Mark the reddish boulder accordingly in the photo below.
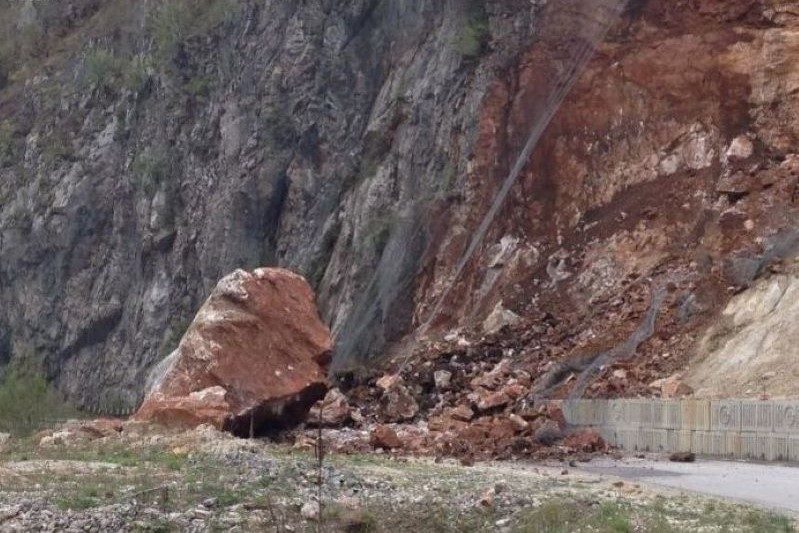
(555, 413)
(586, 441)
(253, 357)
(397, 403)
(493, 400)
(385, 437)
(672, 387)
(333, 411)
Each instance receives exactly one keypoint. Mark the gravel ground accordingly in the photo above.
(207, 481)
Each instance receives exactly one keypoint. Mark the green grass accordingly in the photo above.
(86, 497)
(28, 404)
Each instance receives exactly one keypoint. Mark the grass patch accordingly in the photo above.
(85, 498)
(28, 404)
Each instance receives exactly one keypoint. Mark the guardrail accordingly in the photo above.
(742, 429)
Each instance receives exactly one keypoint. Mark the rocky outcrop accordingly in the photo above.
(252, 359)
(751, 351)
(159, 150)
(362, 143)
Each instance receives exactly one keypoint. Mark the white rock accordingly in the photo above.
(499, 318)
(740, 148)
(442, 378)
(310, 511)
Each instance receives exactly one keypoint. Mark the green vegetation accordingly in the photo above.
(103, 70)
(150, 167)
(86, 497)
(136, 75)
(27, 403)
(562, 516)
(175, 21)
(200, 87)
(57, 147)
(8, 150)
(473, 38)
(379, 232)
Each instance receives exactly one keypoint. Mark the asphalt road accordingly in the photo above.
(767, 485)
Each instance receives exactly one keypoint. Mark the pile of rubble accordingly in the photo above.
(470, 404)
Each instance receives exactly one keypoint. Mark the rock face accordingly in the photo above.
(361, 144)
(752, 349)
(255, 351)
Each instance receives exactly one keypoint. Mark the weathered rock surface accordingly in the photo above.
(332, 411)
(361, 143)
(253, 354)
(752, 350)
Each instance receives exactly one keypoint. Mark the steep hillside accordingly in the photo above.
(149, 148)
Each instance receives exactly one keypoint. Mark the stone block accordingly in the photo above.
(785, 417)
(748, 446)
(684, 441)
(725, 415)
(667, 414)
(778, 448)
(756, 416)
(695, 415)
(733, 440)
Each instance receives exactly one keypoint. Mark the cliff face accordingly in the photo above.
(149, 148)
(152, 147)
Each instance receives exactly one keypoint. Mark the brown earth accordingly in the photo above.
(670, 165)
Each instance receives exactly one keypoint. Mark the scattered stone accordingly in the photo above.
(682, 457)
(741, 148)
(388, 381)
(397, 404)
(385, 438)
(586, 441)
(549, 433)
(499, 318)
(310, 511)
(518, 422)
(494, 400)
(463, 413)
(672, 387)
(442, 379)
(487, 498)
(333, 411)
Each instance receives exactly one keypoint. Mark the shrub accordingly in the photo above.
(473, 38)
(175, 21)
(57, 147)
(102, 70)
(150, 167)
(199, 87)
(136, 74)
(27, 403)
(7, 146)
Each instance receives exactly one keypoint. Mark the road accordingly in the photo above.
(767, 485)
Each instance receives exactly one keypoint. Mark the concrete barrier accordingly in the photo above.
(744, 429)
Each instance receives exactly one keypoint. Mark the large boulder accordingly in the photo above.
(253, 358)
